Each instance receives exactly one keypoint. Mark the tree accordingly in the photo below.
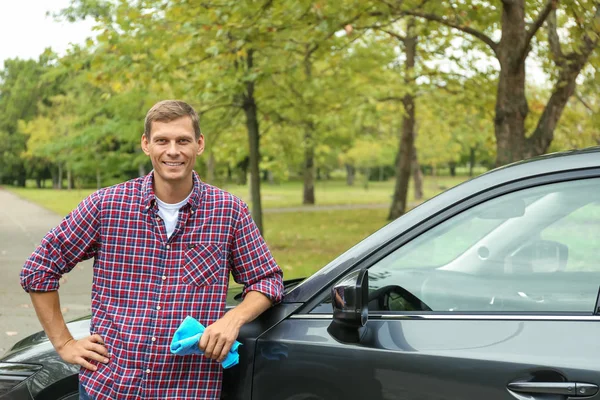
(407, 33)
(206, 51)
(21, 92)
(317, 76)
(404, 159)
(519, 22)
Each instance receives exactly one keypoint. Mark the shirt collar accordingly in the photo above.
(148, 196)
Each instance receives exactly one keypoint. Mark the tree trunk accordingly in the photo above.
(511, 103)
(250, 109)
(350, 174)
(452, 167)
(38, 182)
(69, 178)
(54, 177)
(404, 159)
(308, 196)
(570, 67)
(22, 175)
(417, 175)
(242, 168)
(471, 161)
(512, 52)
(60, 177)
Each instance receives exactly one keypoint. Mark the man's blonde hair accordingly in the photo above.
(169, 110)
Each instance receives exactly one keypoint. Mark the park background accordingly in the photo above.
(330, 118)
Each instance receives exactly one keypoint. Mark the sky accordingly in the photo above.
(25, 30)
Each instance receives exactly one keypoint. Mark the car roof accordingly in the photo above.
(542, 165)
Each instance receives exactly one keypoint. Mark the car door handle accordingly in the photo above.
(573, 389)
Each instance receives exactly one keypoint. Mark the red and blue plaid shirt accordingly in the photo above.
(145, 284)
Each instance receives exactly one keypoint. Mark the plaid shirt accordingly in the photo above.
(145, 284)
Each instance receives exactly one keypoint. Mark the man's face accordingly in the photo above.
(173, 149)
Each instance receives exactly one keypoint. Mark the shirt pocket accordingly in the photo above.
(202, 265)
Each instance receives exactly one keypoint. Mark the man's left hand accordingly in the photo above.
(217, 339)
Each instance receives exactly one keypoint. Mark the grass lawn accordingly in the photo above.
(289, 194)
(301, 242)
(59, 201)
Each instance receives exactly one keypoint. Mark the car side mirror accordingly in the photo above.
(350, 302)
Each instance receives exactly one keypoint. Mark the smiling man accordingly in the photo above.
(164, 246)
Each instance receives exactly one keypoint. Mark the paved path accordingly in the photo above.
(22, 226)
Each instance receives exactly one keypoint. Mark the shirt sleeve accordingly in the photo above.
(251, 261)
(75, 239)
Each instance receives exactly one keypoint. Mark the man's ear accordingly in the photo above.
(200, 145)
(144, 144)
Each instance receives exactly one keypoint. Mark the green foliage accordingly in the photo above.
(578, 129)
(21, 95)
(326, 76)
(450, 124)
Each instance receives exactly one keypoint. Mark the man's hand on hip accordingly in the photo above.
(83, 351)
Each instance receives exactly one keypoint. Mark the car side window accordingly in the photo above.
(531, 251)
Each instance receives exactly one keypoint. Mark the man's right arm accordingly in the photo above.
(74, 240)
(47, 308)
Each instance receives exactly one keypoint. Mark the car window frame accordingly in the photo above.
(446, 214)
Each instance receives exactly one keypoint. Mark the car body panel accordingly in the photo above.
(418, 359)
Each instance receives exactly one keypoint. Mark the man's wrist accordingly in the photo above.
(236, 318)
(63, 342)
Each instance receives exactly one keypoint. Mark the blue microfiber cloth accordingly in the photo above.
(186, 338)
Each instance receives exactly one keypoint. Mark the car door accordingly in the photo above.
(495, 300)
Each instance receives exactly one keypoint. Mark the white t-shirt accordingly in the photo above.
(170, 213)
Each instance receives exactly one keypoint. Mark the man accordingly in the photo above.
(164, 246)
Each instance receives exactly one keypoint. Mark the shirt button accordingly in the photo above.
(158, 218)
(148, 371)
(158, 308)
(191, 212)
(164, 278)
(168, 247)
(153, 339)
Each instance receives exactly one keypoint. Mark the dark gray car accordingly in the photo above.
(488, 291)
